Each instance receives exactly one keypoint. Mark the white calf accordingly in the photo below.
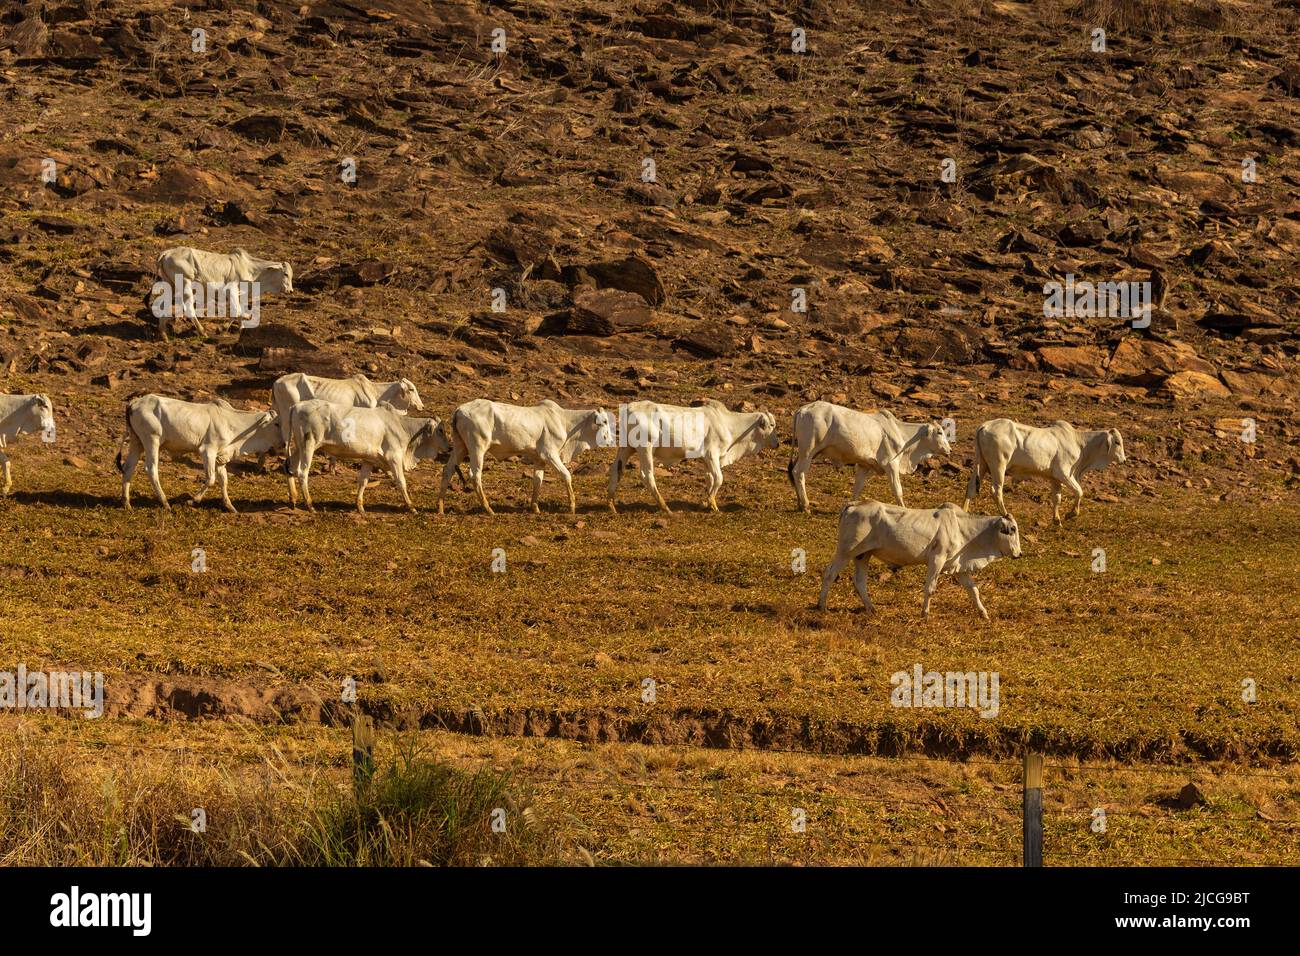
(947, 540)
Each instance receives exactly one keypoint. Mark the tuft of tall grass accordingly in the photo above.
(419, 812)
(64, 805)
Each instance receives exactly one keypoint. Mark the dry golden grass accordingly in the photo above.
(1144, 660)
(123, 792)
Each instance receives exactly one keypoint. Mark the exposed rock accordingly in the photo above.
(1079, 361)
(607, 312)
(1194, 385)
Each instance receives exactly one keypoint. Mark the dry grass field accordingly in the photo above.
(1142, 663)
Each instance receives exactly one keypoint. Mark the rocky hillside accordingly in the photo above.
(653, 187)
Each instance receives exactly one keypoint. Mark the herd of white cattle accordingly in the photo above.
(374, 424)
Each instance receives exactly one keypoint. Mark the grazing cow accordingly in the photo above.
(184, 267)
(356, 391)
(380, 436)
(1058, 454)
(869, 441)
(218, 432)
(671, 433)
(19, 414)
(946, 539)
(542, 434)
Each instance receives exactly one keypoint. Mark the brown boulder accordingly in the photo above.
(954, 344)
(1138, 360)
(1185, 386)
(632, 274)
(710, 339)
(607, 312)
(1078, 361)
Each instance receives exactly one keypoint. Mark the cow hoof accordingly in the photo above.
(612, 510)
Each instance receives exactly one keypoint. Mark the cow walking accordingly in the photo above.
(947, 540)
(1058, 454)
(216, 430)
(872, 442)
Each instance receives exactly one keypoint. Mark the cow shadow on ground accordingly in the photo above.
(63, 499)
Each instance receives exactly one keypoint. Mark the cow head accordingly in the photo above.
(262, 436)
(603, 429)
(1114, 447)
(1008, 537)
(766, 431)
(408, 396)
(275, 277)
(431, 441)
(44, 411)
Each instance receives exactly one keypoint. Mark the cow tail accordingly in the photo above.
(789, 471)
(455, 433)
(126, 437)
(973, 486)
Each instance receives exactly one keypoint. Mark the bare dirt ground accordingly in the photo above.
(774, 172)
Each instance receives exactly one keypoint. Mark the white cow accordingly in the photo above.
(377, 437)
(542, 434)
(869, 441)
(21, 414)
(1058, 454)
(217, 274)
(671, 433)
(946, 539)
(356, 391)
(217, 431)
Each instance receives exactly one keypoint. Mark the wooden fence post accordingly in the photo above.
(1033, 804)
(363, 751)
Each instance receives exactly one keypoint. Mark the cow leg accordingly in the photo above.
(828, 577)
(303, 468)
(363, 476)
(223, 476)
(453, 464)
(151, 469)
(539, 475)
(190, 312)
(556, 462)
(399, 479)
(1056, 502)
(209, 474)
(931, 582)
(896, 483)
(798, 473)
(476, 476)
(1077, 489)
(291, 467)
(129, 463)
(645, 458)
(859, 481)
(9, 481)
(715, 482)
(860, 580)
(998, 480)
(968, 583)
(616, 469)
